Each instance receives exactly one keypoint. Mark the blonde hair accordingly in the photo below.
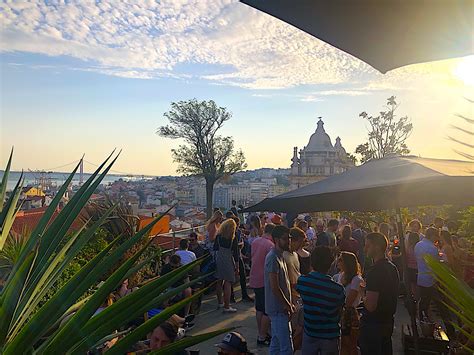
(227, 229)
(215, 217)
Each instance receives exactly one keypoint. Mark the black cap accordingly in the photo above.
(233, 341)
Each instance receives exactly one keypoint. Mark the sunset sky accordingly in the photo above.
(85, 78)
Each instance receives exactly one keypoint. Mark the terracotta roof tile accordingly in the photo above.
(30, 218)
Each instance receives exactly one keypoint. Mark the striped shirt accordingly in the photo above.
(322, 302)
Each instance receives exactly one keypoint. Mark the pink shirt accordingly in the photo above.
(260, 248)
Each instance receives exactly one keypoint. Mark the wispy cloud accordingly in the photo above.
(144, 39)
(320, 95)
(311, 98)
(343, 92)
(266, 96)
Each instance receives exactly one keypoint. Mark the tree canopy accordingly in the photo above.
(205, 152)
(387, 134)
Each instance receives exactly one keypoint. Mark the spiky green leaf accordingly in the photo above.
(187, 342)
(141, 331)
(4, 183)
(7, 216)
(71, 332)
(56, 306)
(132, 306)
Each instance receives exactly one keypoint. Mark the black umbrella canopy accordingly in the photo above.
(386, 34)
(380, 184)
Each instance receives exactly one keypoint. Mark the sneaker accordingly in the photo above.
(188, 326)
(264, 342)
(189, 318)
(229, 310)
(248, 299)
(220, 305)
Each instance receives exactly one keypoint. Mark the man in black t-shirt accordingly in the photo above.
(382, 285)
(194, 245)
(173, 264)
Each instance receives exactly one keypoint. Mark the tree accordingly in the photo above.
(387, 134)
(352, 158)
(205, 154)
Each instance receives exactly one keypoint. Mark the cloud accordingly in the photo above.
(357, 91)
(343, 92)
(266, 96)
(311, 98)
(145, 39)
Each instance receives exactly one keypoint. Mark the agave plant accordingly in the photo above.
(9, 209)
(65, 323)
(122, 221)
(11, 251)
(460, 299)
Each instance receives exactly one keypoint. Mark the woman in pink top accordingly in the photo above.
(411, 240)
(259, 250)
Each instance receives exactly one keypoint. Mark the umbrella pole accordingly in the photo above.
(410, 301)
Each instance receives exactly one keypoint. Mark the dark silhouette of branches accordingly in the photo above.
(466, 130)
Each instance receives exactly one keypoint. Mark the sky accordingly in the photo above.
(85, 78)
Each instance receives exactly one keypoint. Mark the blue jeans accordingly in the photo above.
(282, 343)
(319, 346)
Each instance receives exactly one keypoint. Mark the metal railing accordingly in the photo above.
(183, 233)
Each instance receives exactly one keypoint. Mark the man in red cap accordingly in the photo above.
(277, 220)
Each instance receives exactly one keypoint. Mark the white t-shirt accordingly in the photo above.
(186, 256)
(355, 284)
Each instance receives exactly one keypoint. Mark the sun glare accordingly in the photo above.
(464, 71)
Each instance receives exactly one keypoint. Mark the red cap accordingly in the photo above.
(276, 219)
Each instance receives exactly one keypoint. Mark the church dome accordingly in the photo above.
(320, 140)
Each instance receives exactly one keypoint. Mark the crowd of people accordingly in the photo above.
(331, 287)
